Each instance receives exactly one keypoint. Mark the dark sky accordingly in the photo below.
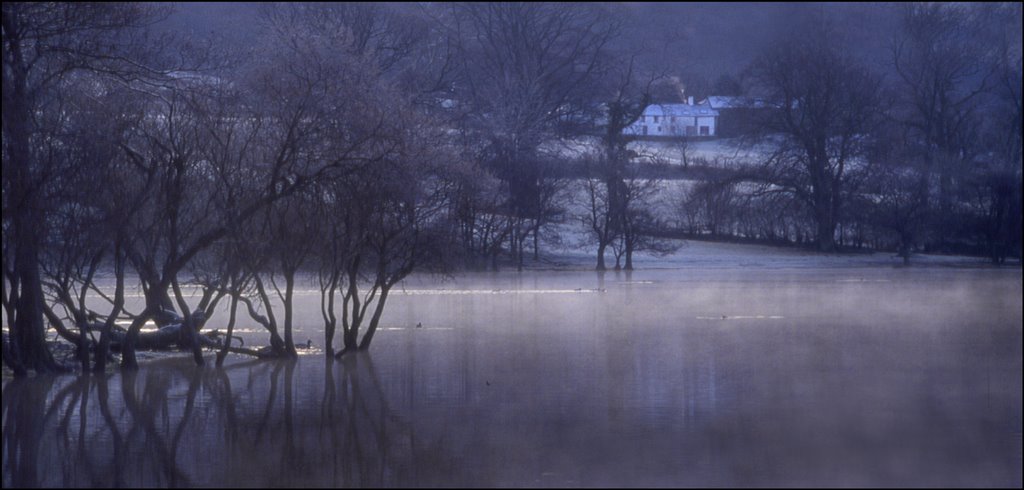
(706, 38)
(236, 21)
(725, 37)
(714, 37)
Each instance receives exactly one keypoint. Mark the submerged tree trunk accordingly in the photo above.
(28, 335)
(11, 361)
(327, 311)
(351, 320)
(28, 331)
(289, 343)
(269, 322)
(128, 360)
(230, 331)
(103, 347)
(349, 341)
(375, 320)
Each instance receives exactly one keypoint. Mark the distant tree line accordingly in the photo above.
(354, 144)
(928, 161)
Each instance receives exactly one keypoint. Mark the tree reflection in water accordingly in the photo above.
(173, 424)
(645, 384)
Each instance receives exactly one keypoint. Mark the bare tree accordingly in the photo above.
(382, 222)
(896, 205)
(597, 217)
(309, 110)
(711, 206)
(477, 210)
(945, 66)
(641, 226)
(629, 93)
(188, 208)
(85, 235)
(528, 73)
(44, 45)
(827, 106)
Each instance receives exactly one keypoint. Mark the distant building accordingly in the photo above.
(676, 120)
(737, 115)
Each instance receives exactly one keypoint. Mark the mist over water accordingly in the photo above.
(764, 165)
(733, 377)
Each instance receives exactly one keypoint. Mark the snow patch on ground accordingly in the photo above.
(695, 254)
(723, 152)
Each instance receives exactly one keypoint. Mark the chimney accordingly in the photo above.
(689, 100)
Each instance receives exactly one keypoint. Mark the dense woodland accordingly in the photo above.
(358, 143)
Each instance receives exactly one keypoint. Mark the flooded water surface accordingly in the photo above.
(846, 377)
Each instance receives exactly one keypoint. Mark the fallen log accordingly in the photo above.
(168, 338)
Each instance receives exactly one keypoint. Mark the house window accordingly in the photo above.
(643, 119)
(673, 118)
(645, 129)
(655, 118)
(705, 131)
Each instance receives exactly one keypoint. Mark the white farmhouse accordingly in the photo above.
(676, 120)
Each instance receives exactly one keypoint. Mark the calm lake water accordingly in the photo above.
(843, 377)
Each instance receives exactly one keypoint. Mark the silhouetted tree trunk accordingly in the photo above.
(825, 108)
